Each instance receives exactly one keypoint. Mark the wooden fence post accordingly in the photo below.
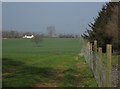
(91, 59)
(89, 53)
(94, 59)
(95, 46)
(100, 66)
(88, 45)
(108, 65)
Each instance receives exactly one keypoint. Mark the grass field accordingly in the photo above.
(55, 63)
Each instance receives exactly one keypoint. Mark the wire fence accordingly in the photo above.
(93, 57)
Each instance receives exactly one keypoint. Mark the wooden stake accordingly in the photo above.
(88, 46)
(108, 65)
(94, 59)
(99, 67)
(95, 46)
(91, 59)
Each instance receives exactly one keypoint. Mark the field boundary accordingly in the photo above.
(94, 56)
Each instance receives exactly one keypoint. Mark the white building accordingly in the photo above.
(29, 37)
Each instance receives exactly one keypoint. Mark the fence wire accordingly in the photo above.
(98, 69)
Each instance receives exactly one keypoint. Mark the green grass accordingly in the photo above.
(53, 63)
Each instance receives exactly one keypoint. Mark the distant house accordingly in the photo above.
(29, 37)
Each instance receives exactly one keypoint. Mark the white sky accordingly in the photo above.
(0, 16)
(56, 0)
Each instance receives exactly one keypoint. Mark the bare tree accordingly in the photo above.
(37, 39)
(51, 31)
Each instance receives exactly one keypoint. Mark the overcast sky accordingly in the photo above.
(67, 17)
(57, 0)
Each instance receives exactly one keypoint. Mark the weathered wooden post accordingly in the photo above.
(95, 46)
(94, 57)
(88, 54)
(100, 67)
(91, 59)
(94, 54)
(108, 65)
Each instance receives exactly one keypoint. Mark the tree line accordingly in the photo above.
(68, 36)
(105, 28)
(16, 34)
